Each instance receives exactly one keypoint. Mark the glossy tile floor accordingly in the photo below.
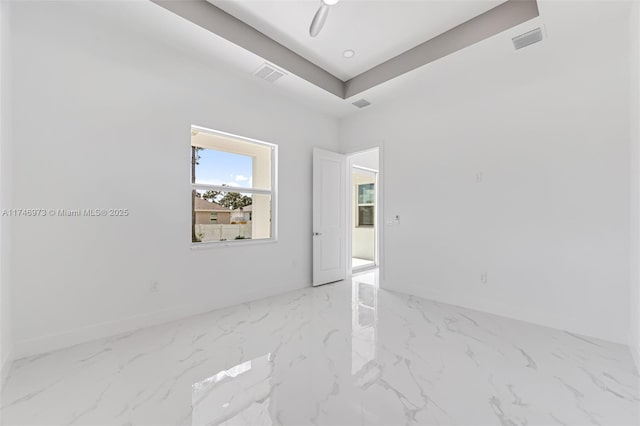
(342, 354)
(357, 262)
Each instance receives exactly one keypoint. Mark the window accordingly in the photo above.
(233, 188)
(366, 207)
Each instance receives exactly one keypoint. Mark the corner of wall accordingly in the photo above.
(634, 196)
(6, 335)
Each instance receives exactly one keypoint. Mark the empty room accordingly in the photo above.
(319, 212)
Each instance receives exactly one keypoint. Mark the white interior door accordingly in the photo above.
(329, 216)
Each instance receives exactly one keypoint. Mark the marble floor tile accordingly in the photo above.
(342, 354)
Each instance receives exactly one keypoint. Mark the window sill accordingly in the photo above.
(233, 243)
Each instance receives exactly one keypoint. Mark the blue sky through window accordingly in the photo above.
(224, 168)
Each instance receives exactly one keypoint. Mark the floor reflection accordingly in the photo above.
(239, 395)
(364, 315)
(347, 353)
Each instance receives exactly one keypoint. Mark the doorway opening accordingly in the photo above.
(364, 209)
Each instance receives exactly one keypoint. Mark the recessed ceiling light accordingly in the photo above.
(330, 2)
(348, 53)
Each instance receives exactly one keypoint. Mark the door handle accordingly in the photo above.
(317, 234)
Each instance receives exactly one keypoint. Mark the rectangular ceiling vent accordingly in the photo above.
(362, 103)
(527, 39)
(269, 73)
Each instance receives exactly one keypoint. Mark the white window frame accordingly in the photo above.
(273, 192)
(358, 204)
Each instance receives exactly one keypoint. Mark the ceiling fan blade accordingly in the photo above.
(318, 20)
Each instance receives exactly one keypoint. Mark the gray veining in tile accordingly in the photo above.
(342, 354)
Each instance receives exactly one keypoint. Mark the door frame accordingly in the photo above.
(378, 213)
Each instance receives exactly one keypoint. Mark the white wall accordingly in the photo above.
(103, 112)
(367, 159)
(546, 131)
(6, 342)
(102, 116)
(634, 54)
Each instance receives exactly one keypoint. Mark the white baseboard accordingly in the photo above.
(545, 319)
(53, 342)
(103, 330)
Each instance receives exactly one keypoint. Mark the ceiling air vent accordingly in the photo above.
(526, 39)
(362, 103)
(269, 72)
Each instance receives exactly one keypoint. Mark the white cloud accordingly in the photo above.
(210, 181)
(240, 181)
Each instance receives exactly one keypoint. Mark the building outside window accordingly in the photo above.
(233, 188)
